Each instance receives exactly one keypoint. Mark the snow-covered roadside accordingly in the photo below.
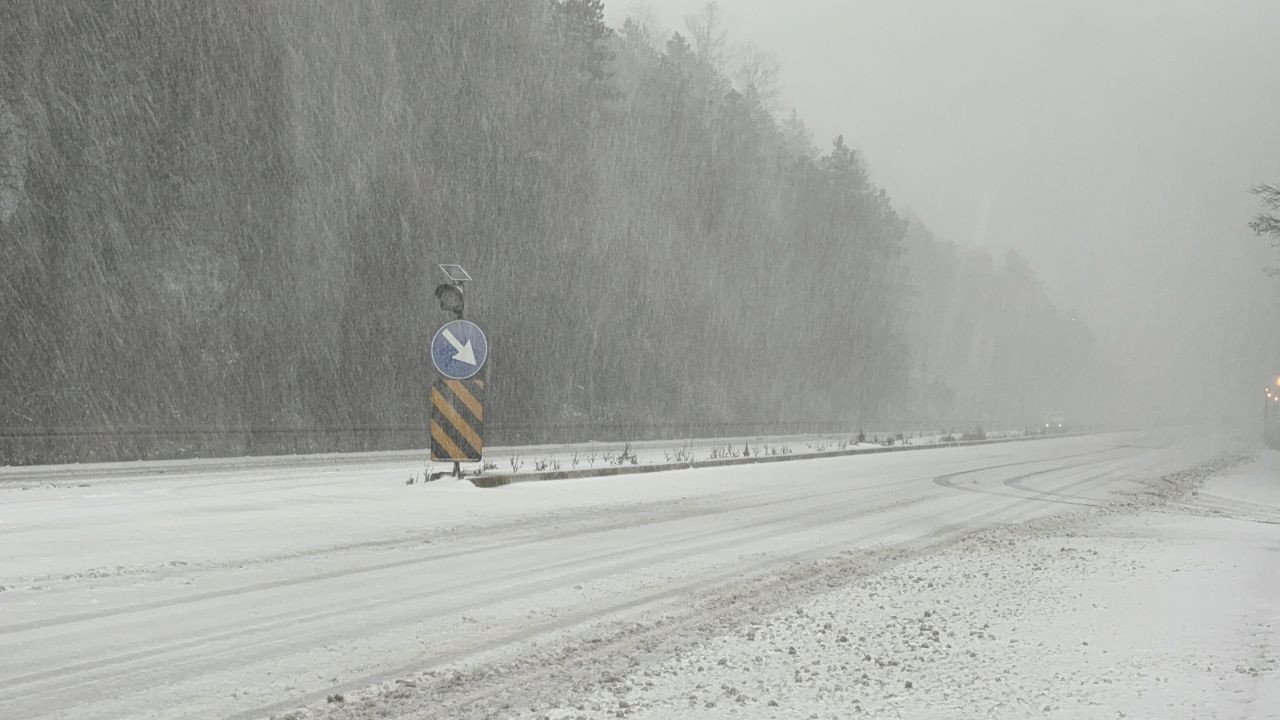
(1164, 611)
(596, 454)
(590, 459)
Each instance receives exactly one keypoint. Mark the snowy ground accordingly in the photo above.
(1072, 577)
(1168, 612)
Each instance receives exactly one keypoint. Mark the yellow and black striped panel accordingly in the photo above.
(457, 420)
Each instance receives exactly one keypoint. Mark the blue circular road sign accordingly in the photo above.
(459, 349)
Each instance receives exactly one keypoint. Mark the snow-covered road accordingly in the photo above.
(249, 591)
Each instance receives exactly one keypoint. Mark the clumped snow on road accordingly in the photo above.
(1156, 615)
(996, 627)
(1168, 607)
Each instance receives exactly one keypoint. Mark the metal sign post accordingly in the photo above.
(458, 352)
(1272, 397)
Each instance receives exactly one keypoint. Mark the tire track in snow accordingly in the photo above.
(717, 539)
(940, 536)
(539, 672)
(58, 680)
(659, 517)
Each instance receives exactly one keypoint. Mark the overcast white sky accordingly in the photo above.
(1112, 142)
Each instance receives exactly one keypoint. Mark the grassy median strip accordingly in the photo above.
(499, 480)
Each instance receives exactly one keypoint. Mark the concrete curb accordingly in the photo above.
(493, 481)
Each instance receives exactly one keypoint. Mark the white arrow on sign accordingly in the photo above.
(466, 353)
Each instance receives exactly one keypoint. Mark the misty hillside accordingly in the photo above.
(226, 219)
(988, 344)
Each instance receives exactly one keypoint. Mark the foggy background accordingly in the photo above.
(1112, 144)
(220, 224)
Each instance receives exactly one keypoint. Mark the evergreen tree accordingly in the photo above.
(1267, 223)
